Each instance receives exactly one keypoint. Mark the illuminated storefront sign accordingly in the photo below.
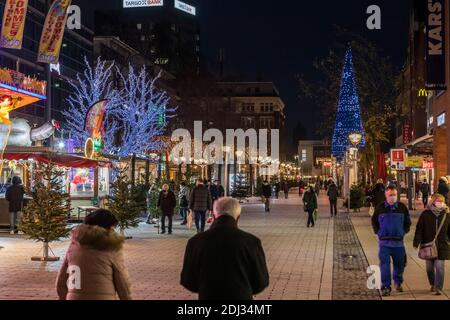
(185, 7)
(142, 3)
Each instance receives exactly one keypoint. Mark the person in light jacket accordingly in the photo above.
(94, 266)
(427, 226)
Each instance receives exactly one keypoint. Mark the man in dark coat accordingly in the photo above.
(333, 194)
(166, 203)
(14, 195)
(267, 194)
(378, 191)
(225, 263)
(200, 202)
(443, 188)
(425, 190)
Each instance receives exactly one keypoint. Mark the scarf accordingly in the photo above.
(437, 211)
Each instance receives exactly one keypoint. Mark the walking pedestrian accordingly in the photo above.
(434, 227)
(277, 187)
(391, 221)
(166, 204)
(443, 188)
(317, 188)
(286, 189)
(425, 189)
(310, 204)
(333, 194)
(267, 194)
(95, 261)
(214, 191)
(183, 201)
(378, 193)
(225, 263)
(200, 204)
(14, 195)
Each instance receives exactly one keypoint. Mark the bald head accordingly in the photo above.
(227, 207)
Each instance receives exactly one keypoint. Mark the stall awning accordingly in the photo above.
(62, 160)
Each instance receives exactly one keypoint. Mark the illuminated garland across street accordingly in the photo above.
(348, 116)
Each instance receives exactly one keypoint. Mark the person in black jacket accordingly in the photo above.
(310, 203)
(333, 194)
(14, 195)
(200, 203)
(225, 263)
(267, 194)
(166, 203)
(425, 190)
(427, 227)
(443, 188)
(378, 191)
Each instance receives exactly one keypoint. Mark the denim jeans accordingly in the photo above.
(200, 220)
(13, 220)
(436, 273)
(398, 255)
(183, 213)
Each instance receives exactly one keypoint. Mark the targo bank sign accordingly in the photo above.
(142, 3)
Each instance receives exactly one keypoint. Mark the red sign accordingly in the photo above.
(428, 164)
(407, 135)
(398, 155)
(327, 164)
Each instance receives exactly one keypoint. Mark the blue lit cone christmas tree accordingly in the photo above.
(348, 121)
(348, 116)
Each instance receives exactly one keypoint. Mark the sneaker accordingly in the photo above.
(20, 233)
(386, 292)
(432, 289)
(163, 232)
(170, 232)
(12, 232)
(399, 288)
(183, 223)
(438, 292)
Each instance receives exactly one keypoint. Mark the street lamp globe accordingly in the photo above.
(355, 138)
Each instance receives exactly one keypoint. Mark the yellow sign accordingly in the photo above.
(414, 162)
(13, 24)
(52, 35)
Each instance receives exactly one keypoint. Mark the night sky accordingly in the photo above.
(279, 39)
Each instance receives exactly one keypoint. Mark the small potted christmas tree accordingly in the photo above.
(122, 202)
(44, 219)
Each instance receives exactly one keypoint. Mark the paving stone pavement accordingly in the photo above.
(350, 264)
(299, 259)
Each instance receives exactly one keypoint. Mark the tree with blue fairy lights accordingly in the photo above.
(140, 118)
(95, 84)
(348, 116)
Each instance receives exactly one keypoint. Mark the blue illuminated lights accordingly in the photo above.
(348, 116)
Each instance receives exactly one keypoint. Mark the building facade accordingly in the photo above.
(76, 44)
(314, 157)
(167, 32)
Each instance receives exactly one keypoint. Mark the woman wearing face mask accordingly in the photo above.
(435, 218)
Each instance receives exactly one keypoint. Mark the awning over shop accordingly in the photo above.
(68, 161)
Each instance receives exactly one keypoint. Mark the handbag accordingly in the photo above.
(429, 251)
(316, 214)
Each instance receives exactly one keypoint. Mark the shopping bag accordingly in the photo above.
(189, 220)
(372, 211)
(316, 215)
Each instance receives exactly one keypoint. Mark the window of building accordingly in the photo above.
(139, 26)
(266, 123)
(304, 155)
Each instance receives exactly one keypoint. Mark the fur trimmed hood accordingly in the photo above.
(98, 238)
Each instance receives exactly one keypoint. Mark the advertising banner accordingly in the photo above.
(53, 33)
(13, 24)
(435, 44)
(398, 158)
(94, 119)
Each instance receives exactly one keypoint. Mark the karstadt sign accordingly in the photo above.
(142, 3)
